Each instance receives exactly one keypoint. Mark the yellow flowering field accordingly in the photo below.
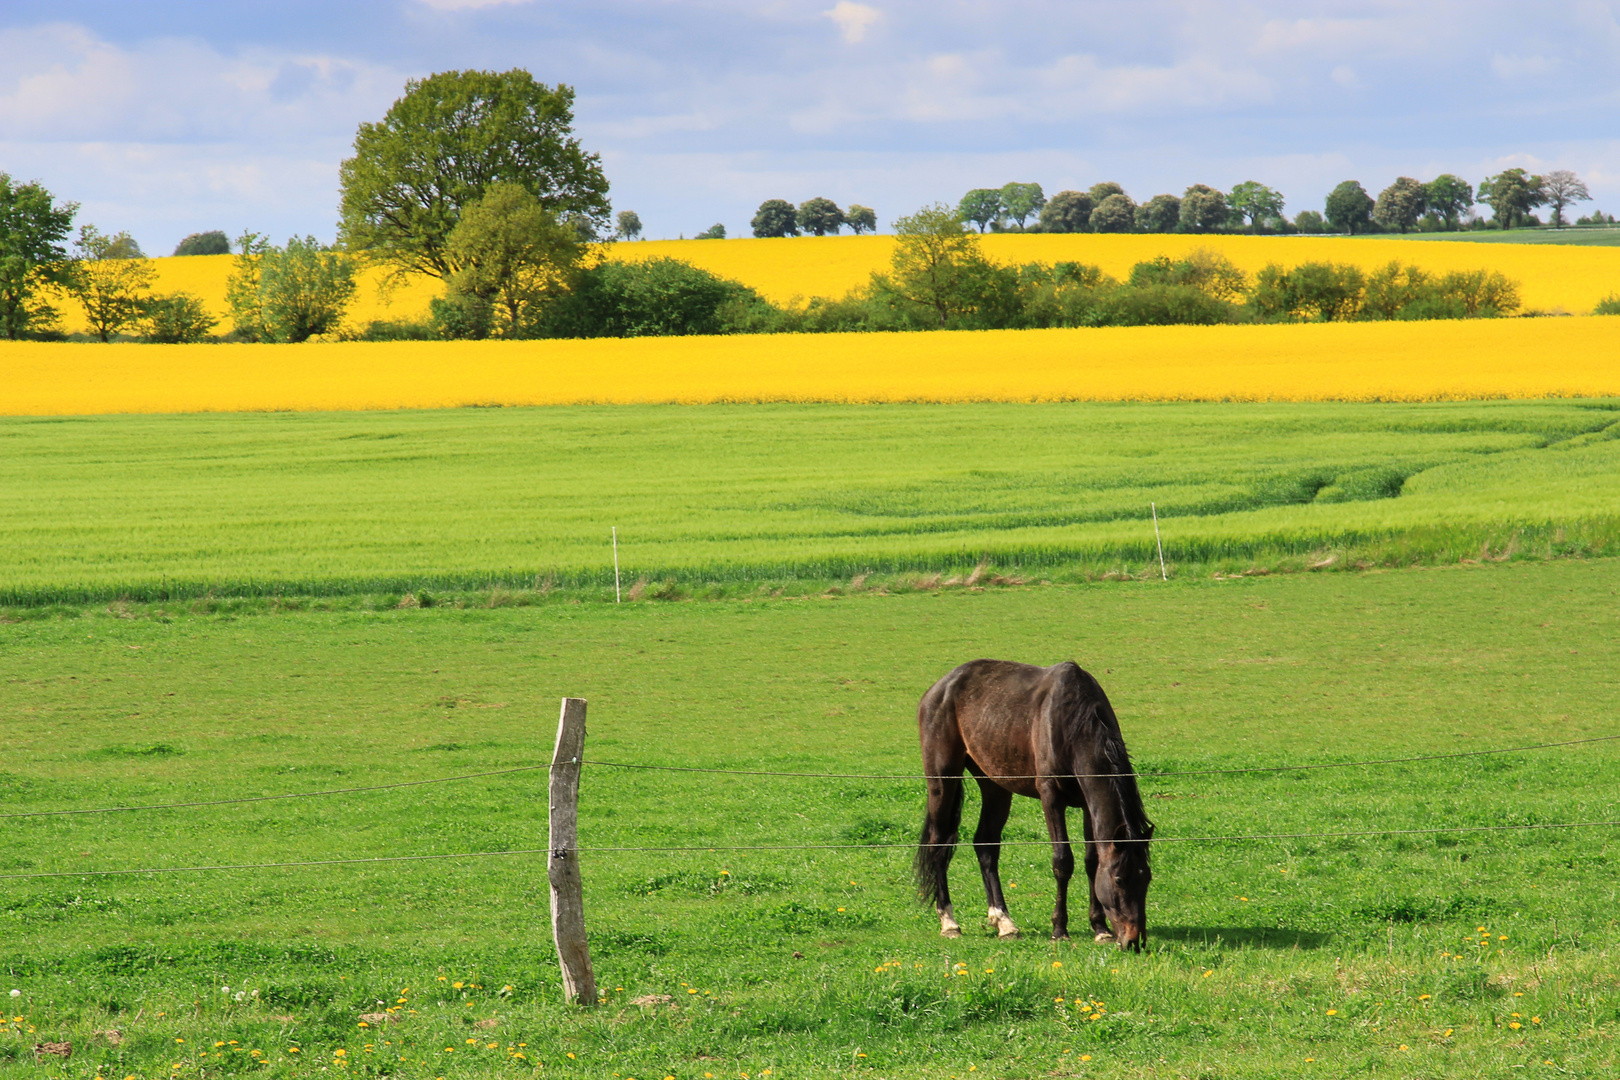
(1552, 277)
(204, 277)
(1421, 361)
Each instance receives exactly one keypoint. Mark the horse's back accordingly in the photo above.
(995, 711)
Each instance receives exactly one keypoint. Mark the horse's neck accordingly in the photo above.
(1105, 804)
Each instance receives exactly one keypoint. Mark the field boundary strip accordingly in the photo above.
(699, 849)
(810, 776)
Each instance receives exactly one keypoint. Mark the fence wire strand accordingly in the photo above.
(1103, 776)
(801, 775)
(700, 849)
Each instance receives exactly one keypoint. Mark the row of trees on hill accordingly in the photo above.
(1444, 203)
(814, 217)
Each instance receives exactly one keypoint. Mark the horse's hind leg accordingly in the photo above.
(938, 844)
(1057, 827)
(996, 804)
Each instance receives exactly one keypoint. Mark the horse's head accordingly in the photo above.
(1121, 885)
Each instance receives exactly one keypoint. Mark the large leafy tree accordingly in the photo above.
(1067, 211)
(980, 206)
(1448, 196)
(33, 258)
(1512, 194)
(1115, 214)
(1349, 208)
(861, 219)
(1258, 203)
(440, 148)
(1203, 208)
(111, 285)
(820, 216)
(1401, 204)
(775, 217)
(627, 225)
(1022, 201)
(1160, 214)
(1562, 188)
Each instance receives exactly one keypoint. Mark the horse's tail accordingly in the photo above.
(943, 759)
(936, 846)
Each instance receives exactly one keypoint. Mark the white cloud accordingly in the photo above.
(1345, 76)
(853, 19)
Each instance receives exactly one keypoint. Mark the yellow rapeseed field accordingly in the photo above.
(1424, 361)
(1552, 277)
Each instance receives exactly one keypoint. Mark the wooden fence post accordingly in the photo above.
(567, 888)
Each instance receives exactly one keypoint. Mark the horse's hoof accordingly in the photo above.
(1060, 935)
(1104, 936)
(1007, 932)
(954, 931)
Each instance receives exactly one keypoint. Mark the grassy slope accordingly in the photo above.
(1609, 237)
(348, 503)
(1253, 944)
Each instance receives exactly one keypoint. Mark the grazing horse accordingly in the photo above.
(1050, 734)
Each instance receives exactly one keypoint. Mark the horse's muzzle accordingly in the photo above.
(1129, 936)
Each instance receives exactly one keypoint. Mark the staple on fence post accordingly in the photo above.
(567, 888)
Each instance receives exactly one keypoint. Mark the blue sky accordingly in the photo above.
(169, 118)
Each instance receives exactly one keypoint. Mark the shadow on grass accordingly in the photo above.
(1241, 937)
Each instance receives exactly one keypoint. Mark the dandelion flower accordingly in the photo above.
(1535, 1019)
(1208, 973)
(1423, 997)
(1515, 1025)
(1333, 1012)
(1085, 1057)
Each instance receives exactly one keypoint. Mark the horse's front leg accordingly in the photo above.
(1099, 920)
(995, 805)
(1057, 827)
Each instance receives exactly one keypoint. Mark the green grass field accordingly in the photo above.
(1317, 958)
(725, 498)
(1587, 237)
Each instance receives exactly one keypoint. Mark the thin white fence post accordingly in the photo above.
(1162, 573)
(567, 888)
(617, 599)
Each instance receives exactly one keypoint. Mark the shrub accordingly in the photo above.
(650, 298)
(175, 319)
(212, 242)
(1609, 305)
(1164, 305)
(1312, 291)
(287, 294)
(716, 231)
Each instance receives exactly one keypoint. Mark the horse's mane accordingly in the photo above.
(1098, 720)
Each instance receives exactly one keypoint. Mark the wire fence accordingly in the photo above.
(851, 846)
(715, 849)
(1150, 775)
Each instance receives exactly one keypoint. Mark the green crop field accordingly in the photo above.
(1580, 237)
(725, 498)
(1479, 954)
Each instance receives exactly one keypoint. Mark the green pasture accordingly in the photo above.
(724, 499)
(1326, 957)
(1579, 237)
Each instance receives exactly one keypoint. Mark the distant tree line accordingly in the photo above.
(1442, 204)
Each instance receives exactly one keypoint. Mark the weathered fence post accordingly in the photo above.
(567, 888)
